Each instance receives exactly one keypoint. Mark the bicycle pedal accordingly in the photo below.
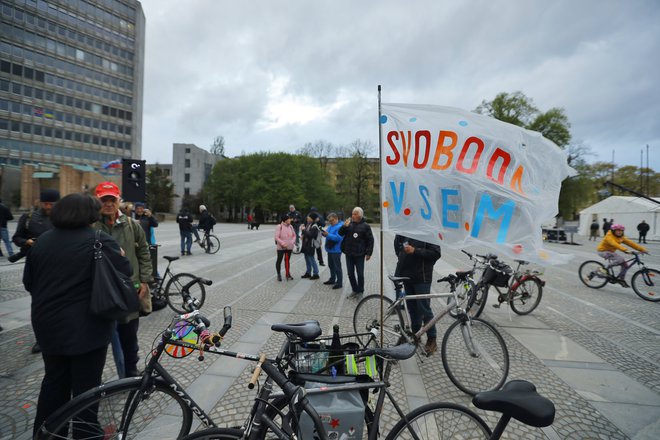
(497, 306)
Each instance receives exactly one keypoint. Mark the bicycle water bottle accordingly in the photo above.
(336, 353)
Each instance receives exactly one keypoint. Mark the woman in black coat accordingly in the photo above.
(58, 275)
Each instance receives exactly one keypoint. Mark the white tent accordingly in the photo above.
(628, 211)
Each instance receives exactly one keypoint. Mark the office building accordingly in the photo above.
(191, 167)
(71, 81)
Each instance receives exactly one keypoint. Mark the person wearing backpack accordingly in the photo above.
(310, 242)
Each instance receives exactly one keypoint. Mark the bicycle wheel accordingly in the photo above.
(593, 274)
(463, 293)
(215, 434)
(646, 284)
(367, 317)
(475, 356)
(440, 420)
(477, 300)
(212, 245)
(174, 287)
(119, 411)
(526, 297)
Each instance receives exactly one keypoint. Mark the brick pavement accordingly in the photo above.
(243, 276)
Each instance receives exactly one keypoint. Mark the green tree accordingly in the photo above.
(357, 175)
(160, 190)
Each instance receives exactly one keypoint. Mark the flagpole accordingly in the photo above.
(380, 162)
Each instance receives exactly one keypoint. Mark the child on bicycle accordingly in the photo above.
(613, 241)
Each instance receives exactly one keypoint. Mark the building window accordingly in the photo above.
(186, 177)
(187, 165)
(187, 150)
(186, 191)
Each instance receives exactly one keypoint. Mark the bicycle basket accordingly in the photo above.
(315, 356)
(497, 273)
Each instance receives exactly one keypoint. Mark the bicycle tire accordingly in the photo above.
(463, 294)
(101, 412)
(367, 317)
(593, 274)
(477, 301)
(484, 368)
(214, 242)
(440, 420)
(215, 434)
(646, 284)
(174, 287)
(527, 296)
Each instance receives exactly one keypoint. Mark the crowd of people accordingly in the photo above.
(57, 240)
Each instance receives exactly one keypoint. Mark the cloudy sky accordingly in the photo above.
(274, 75)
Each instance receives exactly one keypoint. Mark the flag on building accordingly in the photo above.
(112, 164)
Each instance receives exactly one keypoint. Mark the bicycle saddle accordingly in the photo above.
(306, 331)
(518, 399)
(395, 279)
(170, 259)
(398, 352)
(462, 275)
(521, 262)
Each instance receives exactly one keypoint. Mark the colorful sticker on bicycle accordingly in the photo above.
(183, 331)
(457, 178)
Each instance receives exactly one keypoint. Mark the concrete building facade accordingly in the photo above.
(191, 167)
(71, 81)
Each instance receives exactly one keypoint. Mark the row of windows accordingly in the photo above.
(58, 133)
(57, 98)
(55, 28)
(69, 118)
(71, 153)
(37, 57)
(63, 50)
(89, 25)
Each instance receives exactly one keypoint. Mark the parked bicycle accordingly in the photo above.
(645, 282)
(518, 399)
(521, 289)
(210, 242)
(474, 354)
(178, 286)
(156, 406)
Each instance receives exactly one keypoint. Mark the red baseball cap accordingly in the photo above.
(107, 189)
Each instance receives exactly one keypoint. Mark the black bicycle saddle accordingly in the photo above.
(306, 331)
(519, 400)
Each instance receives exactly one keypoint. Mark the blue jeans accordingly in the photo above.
(4, 235)
(420, 309)
(312, 267)
(186, 241)
(334, 264)
(355, 264)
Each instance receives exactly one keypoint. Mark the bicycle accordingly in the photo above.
(210, 242)
(645, 282)
(518, 399)
(132, 407)
(524, 289)
(474, 354)
(178, 286)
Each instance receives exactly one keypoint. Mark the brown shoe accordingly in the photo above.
(431, 345)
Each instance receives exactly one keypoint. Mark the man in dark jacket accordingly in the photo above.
(31, 226)
(296, 221)
(206, 223)
(416, 261)
(5, 216)
(643, 229)
(357, 245)
(320, 222)
(185, 220)
(146, 219)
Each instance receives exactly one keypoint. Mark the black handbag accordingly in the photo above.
(113, 295)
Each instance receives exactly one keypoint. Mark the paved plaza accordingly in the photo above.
(595, 353)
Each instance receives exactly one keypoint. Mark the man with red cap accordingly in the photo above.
(131, 238)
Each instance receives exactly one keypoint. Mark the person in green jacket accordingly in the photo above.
(130, 236)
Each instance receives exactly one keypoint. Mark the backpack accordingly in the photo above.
(212, 220)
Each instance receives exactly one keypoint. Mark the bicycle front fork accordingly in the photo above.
(466, 331)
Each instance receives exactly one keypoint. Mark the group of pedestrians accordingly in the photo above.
(58, 241)
(353, 238)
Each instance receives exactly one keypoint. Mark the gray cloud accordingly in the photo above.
(274, 75)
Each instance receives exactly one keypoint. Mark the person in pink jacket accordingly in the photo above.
(285, 240)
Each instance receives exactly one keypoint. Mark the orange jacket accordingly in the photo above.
(612, 243)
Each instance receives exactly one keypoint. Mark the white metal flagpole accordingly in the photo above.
(380, 198)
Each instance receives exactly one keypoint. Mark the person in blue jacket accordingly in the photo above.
(333, 248)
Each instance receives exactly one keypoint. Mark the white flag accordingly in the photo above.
(457, 178)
